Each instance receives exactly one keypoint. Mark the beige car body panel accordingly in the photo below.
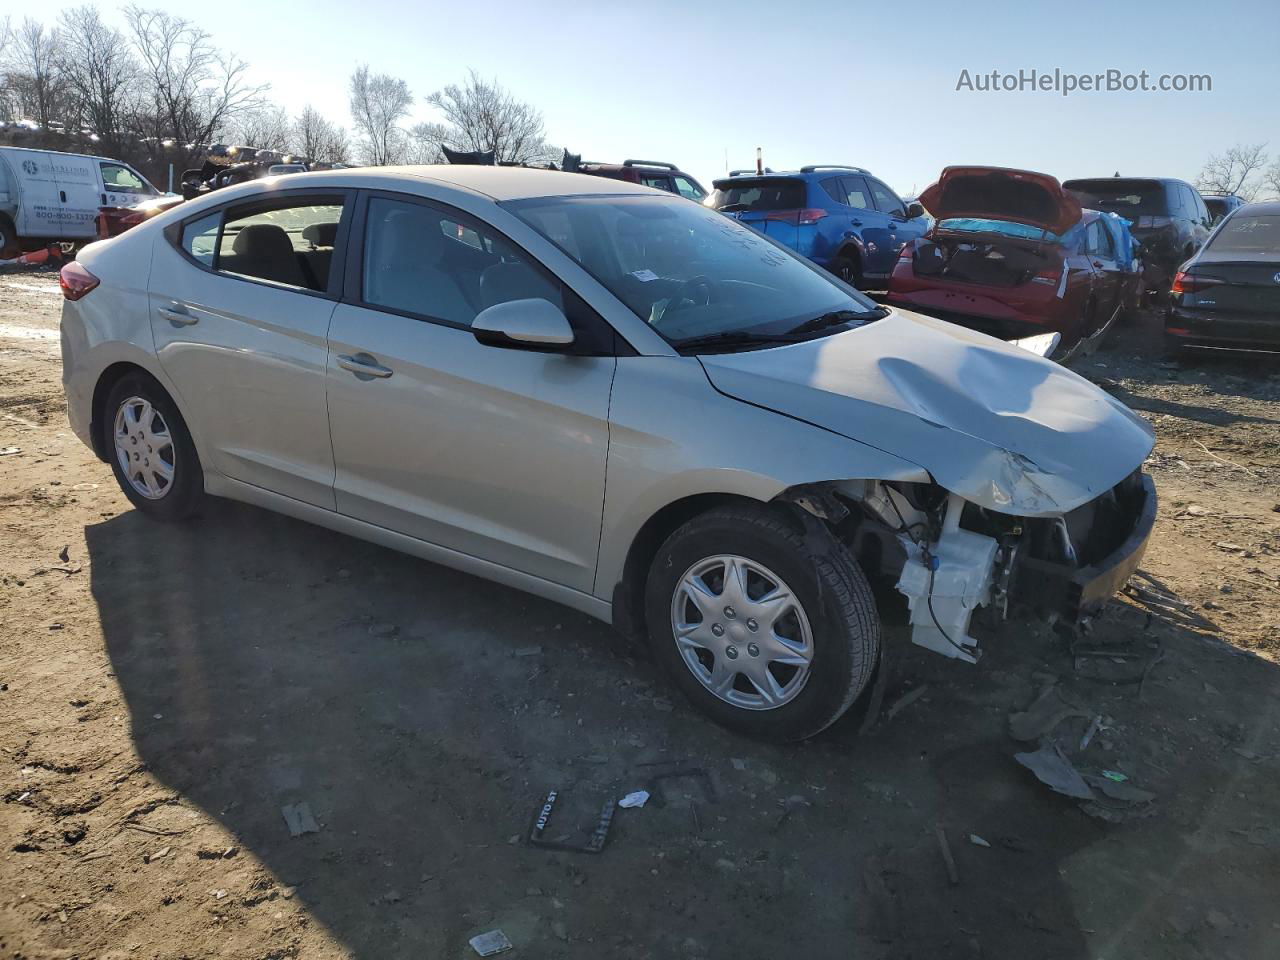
(534, 470)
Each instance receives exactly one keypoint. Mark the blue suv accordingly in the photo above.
(841, 218)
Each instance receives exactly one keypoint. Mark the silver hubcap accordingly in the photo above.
(144, 448)
(742, 632)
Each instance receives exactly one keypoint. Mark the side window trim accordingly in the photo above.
(337, 272)
(353, 289)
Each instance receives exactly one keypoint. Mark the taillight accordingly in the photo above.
(76, 281)
(800, 218)
(1188, 283)
(907, 253)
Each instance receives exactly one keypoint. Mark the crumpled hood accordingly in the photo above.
(997, 425)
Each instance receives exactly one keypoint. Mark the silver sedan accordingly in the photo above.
(611, 397)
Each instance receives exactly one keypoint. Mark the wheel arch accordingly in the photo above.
(111, 375)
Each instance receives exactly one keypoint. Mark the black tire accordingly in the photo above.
(8, 239)
(846, 268)
(181, 498)
(829, 585)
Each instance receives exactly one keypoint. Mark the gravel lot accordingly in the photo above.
(166, 691)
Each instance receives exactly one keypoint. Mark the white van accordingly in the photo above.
(47, 196)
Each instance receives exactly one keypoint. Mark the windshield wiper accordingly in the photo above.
(734, 338)
(838, 318)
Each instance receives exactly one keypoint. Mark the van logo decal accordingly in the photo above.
(31, 167)
(1276, 278)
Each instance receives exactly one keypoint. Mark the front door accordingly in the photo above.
(240, 306)
(493, 452)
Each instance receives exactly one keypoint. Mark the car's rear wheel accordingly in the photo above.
(765, 630)
(150, 448)
(846, 268)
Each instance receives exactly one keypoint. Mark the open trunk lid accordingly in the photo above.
(996, 193)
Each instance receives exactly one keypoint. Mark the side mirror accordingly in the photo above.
(534, 324)
(914, 210)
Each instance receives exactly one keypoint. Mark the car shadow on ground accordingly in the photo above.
(423, 714)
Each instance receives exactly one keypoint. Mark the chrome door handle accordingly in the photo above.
(179, 318)
(363, 365)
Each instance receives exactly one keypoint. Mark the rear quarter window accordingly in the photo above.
(200, 238)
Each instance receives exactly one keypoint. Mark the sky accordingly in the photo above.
(703, 85)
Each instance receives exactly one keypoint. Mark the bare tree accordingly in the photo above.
(192, 90)
(425, 140)
(379, 102)
(1271, 180)
(33, 72)
(266, 127)
(318, 139)
(481, 115)
(1237, 171)
(99, 69)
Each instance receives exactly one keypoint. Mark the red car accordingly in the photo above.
(1011, 253)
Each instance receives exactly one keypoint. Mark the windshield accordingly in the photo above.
(1257, 235)
(688, 271)
(1125, 197)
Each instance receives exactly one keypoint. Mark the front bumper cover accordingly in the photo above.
(1077, 593)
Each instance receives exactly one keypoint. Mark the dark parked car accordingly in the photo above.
(1169, 218)
(1227, 297)
(841, 218)
(648, 173)
(1012, 253)
(1220, 204)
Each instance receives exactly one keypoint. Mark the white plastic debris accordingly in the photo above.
(977, 841)
(637, 799)
(490, 944)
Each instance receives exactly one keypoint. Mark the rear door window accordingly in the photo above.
(856, 193)
(285, 241)
(658, 182)
(757, 194)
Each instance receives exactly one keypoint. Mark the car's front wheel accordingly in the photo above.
(151, 452)
(768, 631)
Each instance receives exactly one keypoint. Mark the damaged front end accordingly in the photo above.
(949, 556)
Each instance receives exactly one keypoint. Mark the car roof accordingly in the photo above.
(1265, 207)
(497, 183)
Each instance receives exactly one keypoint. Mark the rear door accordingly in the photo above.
(495, 453)
(241, 299)
(882, 235)
(39, 206)
(1107, 279)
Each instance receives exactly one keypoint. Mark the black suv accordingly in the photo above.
(1168, 217)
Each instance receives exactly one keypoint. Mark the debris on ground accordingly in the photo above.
(905, 701)
(1052, 768)
(977, 841)
(491, 943)
(1046, 712)
(299, 819)
(953, 874)
(594, 842)
(637, 798)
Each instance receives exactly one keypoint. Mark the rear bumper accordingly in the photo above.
(1203, 330)
(1077, 593)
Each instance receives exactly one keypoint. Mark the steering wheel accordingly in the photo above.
(695, 292)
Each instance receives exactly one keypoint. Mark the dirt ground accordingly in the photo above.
(166, 691)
